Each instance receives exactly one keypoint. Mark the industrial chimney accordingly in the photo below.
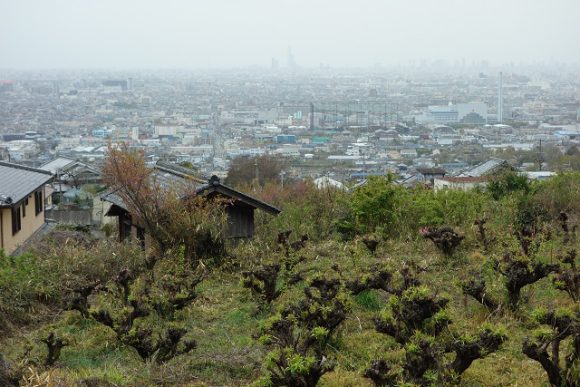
(500, 99)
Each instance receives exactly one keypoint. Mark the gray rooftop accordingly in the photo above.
(64, 166)
(167, 176)
(484, 168)
(175, 177)
(57, 164)
(18, 181)
(172, 176)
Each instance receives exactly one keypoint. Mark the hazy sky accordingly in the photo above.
(239, 33)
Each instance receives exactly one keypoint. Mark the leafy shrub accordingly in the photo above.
(517, 272)
(444, 238)
(417, 320)
(300, 334)
(559, 194)
(49, 274)
(508, 183)
(262, 282)
(568, 276)
(374, 204)
(306, 209)
(140, 307)
(562, 324)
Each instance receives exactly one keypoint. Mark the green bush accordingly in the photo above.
(558, 194)
(63, 261)
(374, 205)
(508, 183)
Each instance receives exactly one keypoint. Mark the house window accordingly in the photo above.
(38, 205)
(24, 208)
(16, 221)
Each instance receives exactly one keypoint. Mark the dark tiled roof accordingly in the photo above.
(177, 170)
(18, 181)
(172, 176)
(113, 198)
(431, 171)
(466, 179)
(214, 185)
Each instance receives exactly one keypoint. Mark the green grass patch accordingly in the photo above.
(369, 300)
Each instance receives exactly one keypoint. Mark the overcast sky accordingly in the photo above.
(239, 33)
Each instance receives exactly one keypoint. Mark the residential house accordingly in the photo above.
(22, 200)
(408, 153)
(491, 167)
(428, 175)
(240, 210)
(424, 177)
(475, 177)
(71, 173)
(539, 175)
(324, 182)
(460, 183)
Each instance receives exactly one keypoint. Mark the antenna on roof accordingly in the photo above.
(257, 172)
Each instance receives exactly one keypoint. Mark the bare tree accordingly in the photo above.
(172, 216)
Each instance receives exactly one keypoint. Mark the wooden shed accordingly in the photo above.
(240, 207)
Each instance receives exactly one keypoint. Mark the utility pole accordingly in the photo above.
(540, 157)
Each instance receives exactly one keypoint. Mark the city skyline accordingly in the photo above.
(66, 34)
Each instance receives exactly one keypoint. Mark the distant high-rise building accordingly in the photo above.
(275, 64)
(113, 85)
(468, 113)
(291, 61)
(6, 86)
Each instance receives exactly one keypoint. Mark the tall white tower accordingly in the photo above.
(500, 99)
(291, 61)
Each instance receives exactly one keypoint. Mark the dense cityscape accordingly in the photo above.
(289, 193)
(344, 124)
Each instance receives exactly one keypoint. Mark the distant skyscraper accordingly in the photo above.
(500, 99)
(275, 64)
(291, 62)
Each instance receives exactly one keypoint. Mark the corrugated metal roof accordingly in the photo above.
(55, 165)
(64, 166)
(484, 168)
(18, 181)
